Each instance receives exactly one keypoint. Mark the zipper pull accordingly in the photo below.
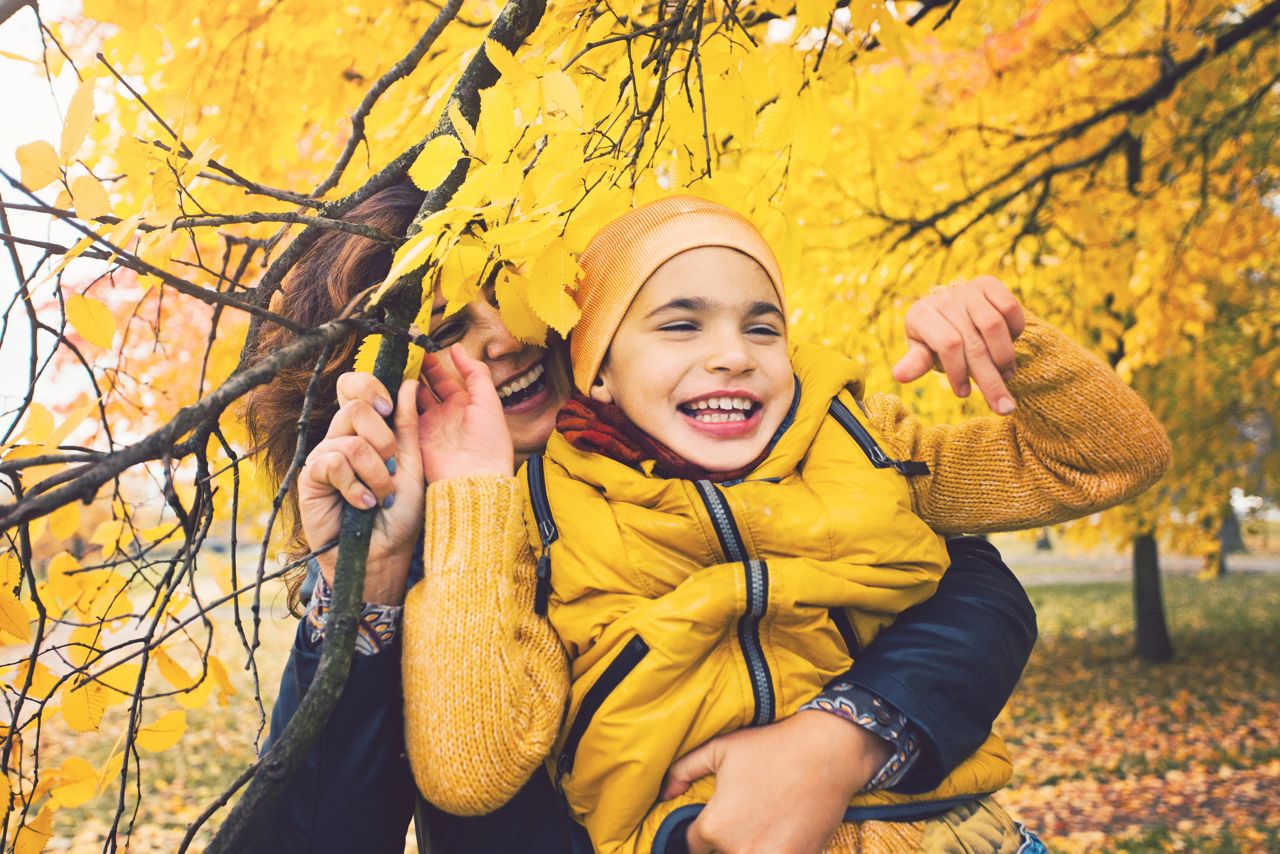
(542, 592)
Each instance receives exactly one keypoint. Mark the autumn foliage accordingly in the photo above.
(1116, 164)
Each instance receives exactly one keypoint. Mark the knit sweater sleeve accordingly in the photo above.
(485, 679)
(1079, 441)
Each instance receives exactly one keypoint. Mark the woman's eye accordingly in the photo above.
(679, 326)
(763, 329)
(449, 332)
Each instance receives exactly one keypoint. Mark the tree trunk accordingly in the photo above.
(1152, 634)
(1043, 543)
(1230, 538)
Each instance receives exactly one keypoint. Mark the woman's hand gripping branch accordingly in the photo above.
(362, 461)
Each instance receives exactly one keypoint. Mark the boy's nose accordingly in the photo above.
(729, 354)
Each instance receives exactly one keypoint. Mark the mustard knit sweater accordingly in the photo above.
(485, 679)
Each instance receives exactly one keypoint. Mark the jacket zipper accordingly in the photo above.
(547, 532)
(867, 442)
(623, 663)
(756, 574)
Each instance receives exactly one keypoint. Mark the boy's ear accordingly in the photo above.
(600, 389)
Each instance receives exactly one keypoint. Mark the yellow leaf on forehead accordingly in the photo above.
(553, 273)
(519, 318)
(461, 269)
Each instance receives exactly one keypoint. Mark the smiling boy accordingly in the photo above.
(721, 528)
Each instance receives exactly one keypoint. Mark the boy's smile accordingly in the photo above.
(700, 360)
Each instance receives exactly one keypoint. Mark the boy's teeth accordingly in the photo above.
(524, 381)
(729, 404)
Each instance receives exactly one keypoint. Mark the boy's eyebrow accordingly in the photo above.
(760, 307)
(698, 304)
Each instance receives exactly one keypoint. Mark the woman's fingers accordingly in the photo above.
(354, 468)
(916, 363)
(408, 454)
(1004, 302)
(359, 418)
(476, 375)
(354, 385)
(439, 380)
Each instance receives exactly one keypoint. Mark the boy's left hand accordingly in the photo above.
(779, 788)
(968, 329)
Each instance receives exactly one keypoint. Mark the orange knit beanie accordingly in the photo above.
(626, 252)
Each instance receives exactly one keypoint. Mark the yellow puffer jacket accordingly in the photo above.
(691, 609)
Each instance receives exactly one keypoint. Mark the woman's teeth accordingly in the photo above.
(715, 410)
(522, 382)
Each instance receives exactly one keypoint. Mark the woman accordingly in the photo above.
(940, 674)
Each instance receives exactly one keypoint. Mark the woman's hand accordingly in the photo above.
(779, 788)
(363, 462)
(968, 329)
(462, 430)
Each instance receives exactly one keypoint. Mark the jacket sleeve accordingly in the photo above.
(951, 663)
(485, 679)
(352, 791)
(1079, 441)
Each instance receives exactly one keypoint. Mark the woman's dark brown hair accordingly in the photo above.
(336, 268)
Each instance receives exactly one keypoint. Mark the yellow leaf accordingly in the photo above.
(79, 120)
(42, 680)
(496, 133)
(516, 313)
(77, 783)
(13, 616)
(174, 673)
(108, 535)
(436, 161)
(506, 63)
(110, 769)
(553, 273)
(71, 421)
(6, 792)
(198, 696)
(82, 707)
(219, 672)
(367, 354)
(121, 679)
(93, 320)
(38, 426)
(89, 197)
(560, 97)
(64, 521)
(813, 14)
(39, 164)
(164, 197)
(33, 837)
(460, 270)
(10, 570)
(466, 134)
(164, 732)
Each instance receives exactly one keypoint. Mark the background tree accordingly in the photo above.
(1116, 164)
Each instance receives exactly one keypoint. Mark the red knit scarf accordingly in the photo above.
(601, 428)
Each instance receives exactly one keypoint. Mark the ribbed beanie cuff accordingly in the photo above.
(626, 252)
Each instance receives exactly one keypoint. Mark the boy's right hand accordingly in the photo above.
(462, 430)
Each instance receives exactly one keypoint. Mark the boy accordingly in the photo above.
(719, 528)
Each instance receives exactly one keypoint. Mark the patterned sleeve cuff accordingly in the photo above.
(868, 711)
(376, 629)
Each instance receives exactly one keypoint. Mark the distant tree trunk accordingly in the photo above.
(1043, 543)
(1230, 537)
(1151, 635)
